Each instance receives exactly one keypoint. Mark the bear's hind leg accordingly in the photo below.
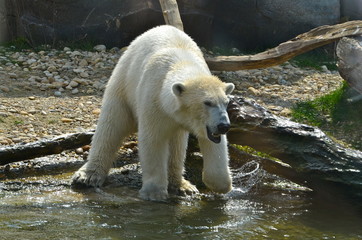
(115, 123)
(177, 183)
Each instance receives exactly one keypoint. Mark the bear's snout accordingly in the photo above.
(223, 128)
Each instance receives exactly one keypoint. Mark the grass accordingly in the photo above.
(318, 111)
(18, 122)
(334, 114)
(21, 43)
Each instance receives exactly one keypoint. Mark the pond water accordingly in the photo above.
(44, 208)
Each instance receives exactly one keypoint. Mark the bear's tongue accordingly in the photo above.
(216, 138)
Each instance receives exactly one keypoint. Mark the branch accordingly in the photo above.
(302, 43)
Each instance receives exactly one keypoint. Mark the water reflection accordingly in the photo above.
(117, 213)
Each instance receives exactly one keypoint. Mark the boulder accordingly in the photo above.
(349, 53)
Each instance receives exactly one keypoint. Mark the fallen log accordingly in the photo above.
(305, 42)
(306, 149)
(20, 152)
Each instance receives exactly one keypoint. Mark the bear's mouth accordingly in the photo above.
(214, 137)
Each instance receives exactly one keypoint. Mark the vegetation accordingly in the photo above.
(320, 110)
(21, 43)
(334, 114)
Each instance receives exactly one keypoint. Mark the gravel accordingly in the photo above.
(47, 93)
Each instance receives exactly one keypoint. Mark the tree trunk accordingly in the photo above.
(171, 13)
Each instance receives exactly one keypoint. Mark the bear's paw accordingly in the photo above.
(85, 177)
(153, 192)
(184, 189)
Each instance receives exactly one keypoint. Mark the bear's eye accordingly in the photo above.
(208, 103)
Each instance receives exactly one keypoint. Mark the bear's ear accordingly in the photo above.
(178, 89)
(229, 88)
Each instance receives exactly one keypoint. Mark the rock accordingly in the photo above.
(73, 84)
(254, 91)
(79, 151)
(83, 63)
(4, 89)
(57, 93)
(324, 68)
(245, 24)
(66, 120)
(84, 74)
(265, 23)
(349, 53)
(12, 75)
(96, 111)
(75, 91)
(100, 48)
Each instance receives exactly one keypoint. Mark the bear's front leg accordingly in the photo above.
(177, 184)
(115, 123)
(216, 174)
(154, 153)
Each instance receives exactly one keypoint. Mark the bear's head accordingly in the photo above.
(202, 106)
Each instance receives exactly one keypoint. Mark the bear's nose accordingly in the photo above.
(223, 128)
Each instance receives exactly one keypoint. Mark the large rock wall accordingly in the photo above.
(244, 24)
(3, 22)
(265, 23)
(351, 9)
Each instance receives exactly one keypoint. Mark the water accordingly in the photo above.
(47, 208)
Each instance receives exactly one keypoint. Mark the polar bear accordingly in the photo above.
(162, 88)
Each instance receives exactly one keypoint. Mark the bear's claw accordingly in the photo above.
(184, 189)
(88, 178)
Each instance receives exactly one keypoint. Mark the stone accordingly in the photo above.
(254, 91)
(83, 63)
(4, 89)
(84, 74)
(73, 84)
(79, 151)
(100, 48)
(96, 111)
(75, 91)
(57, 93)
(349, 54)
(66, 120)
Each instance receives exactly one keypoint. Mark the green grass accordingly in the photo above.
(21, 43)
(18, 122)
(320, 110)
(335, 115)
(18, 44)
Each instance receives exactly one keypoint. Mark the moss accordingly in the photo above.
(252, 151)
(318, 112)
(334, 114)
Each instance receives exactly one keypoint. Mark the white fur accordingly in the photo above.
(158, 88)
